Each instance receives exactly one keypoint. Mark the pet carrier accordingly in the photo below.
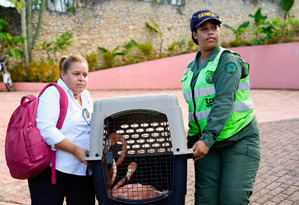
(138, 151)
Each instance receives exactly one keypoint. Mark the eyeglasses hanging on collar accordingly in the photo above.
(86, 116)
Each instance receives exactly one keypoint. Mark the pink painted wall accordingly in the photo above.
(26, 86)
(157, 74)
(271, 67)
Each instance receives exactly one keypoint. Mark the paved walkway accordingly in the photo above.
(278, 177)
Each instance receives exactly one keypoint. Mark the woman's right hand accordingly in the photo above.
(80, 153)
(68, 146)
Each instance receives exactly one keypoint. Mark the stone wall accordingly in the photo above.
(110, 23)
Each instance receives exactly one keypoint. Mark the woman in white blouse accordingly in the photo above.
(71, 142)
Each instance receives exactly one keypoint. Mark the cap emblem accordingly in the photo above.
(205, 14)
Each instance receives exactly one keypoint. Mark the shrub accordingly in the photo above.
(146, 50)
(36, 72)
(92, 60)
(109, 57)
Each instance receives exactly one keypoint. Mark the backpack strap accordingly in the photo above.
(25, 100)
(63, 103)
(53, 173)
(63, 110)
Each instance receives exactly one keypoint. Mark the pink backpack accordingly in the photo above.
(27, 155)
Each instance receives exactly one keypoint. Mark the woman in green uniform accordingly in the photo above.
(223, 131)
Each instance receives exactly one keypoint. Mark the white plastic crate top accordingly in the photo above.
(163, 103)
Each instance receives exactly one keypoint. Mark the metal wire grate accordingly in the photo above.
(139, 142)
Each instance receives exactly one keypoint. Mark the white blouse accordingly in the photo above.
(75, 127)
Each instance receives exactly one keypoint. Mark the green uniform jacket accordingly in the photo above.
(226, 85)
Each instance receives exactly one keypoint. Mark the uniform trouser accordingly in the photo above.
(78, 190)
(226, 175)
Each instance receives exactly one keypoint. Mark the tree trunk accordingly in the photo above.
(29, 28)
(40, 21)
(23, 26)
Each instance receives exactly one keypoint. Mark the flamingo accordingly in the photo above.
(112, 140)
(134, 191)
(129, 191)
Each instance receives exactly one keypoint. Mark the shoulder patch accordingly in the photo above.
(231, 68)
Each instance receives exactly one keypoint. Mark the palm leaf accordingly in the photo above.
(286, 5)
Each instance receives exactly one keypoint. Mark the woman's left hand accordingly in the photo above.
(200, 149)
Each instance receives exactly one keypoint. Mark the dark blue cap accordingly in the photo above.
(202, 16)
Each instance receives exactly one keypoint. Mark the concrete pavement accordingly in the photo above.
(278, 177)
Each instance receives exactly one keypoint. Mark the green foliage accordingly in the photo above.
(258, 17)
(135, 52)
(3, 24)
(18, 4)
(25, 8)
(109, 56)
(8, 43)
(154, 27)
(266, 31)
(239, 31)
(70, 6)
(294, 26)
(177, 47)
(191, 46)
(145, 51)
(36, 72)
(163, 1)
(286, 5)
(61, 43)
(128, 47)
(92, 59)
(269, 29)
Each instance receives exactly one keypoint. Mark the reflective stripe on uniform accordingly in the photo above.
(199, 115)
(244, 86)
(188, 96)
(237, 107)
(211, 91)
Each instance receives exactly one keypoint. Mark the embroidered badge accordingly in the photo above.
(209, 78)
(186, 71)
(231, 68)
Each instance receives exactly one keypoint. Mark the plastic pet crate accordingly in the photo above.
(138, 151)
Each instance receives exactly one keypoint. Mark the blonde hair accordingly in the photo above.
(66, 61)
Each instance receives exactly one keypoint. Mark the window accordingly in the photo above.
(61, 5)
(173, 2)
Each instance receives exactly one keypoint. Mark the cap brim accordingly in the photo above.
(214, 19)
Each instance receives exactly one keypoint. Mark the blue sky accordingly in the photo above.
(5, 3)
